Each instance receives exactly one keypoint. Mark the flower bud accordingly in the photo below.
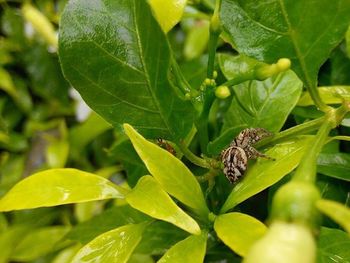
(295, 202)
(222, 92)
(284, 242)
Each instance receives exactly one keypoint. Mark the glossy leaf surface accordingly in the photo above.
(239, 231)
(117, 57)
(151, 199)
(237, 66)
(265, 173)
(336, 211)
(333, 246)
(330, 95)
(168, 12)
(284, 28)
(190, 250)
(255, 102)
(38, 243)
(56, 187)
(170, 172)
(335, 165)
(113, 246)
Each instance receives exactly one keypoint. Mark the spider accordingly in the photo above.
(165, 145)
(235, 157)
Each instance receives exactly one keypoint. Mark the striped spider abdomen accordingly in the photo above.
(235, 157)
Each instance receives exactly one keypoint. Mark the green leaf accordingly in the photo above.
(275, 29)
(197, 40)
(168, 12)
(239, 231)
(113, 246)
(265, 173)
(67, 254)
(159, 237)
(338, 212)
(9, 240)
(117, 57)
(38, 243)
(107, 220)
(192, 249)
(238, 66)
(255, 102)
(335, 165)
(151, 199)
(58, 187)
(170, 172)
(329, 95)
(333, 246)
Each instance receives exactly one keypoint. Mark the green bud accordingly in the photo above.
(266, 71)
(283, 64)
(188, 96)
(207, 82)
(295, 202)
(222, 92)
(215, 23)
(284, 242)
(215, 74)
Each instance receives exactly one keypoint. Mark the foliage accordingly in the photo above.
(171, 83)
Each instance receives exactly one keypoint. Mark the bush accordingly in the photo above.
(218, 131)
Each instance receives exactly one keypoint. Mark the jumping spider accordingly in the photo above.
(235, 157)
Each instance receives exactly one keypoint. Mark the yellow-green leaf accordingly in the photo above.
(329, 95)
(168, 12)
(189, 250)
(265, 173)
(113, 246)
(38, 243)
(239, 231)
(170, 172)
(56, 187)
(336, 211)
(151, 199)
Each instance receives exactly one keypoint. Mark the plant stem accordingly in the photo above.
(294, 131)
(192, 157)
(315, 96)
(306, 171)
(179, 78)
(215, 30)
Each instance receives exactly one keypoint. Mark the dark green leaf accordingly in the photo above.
(254, 105)
(336, 165)
(107, 220)
(115, 54)
(333, 246)
(159, 237)
(304, 31)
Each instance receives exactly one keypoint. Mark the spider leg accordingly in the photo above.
(253, 153)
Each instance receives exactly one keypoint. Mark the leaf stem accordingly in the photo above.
(315, 96)
(300, 129)
(306, 171)
(192, 157)
(215, 30)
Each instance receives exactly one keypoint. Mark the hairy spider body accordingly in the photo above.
(235, 157)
